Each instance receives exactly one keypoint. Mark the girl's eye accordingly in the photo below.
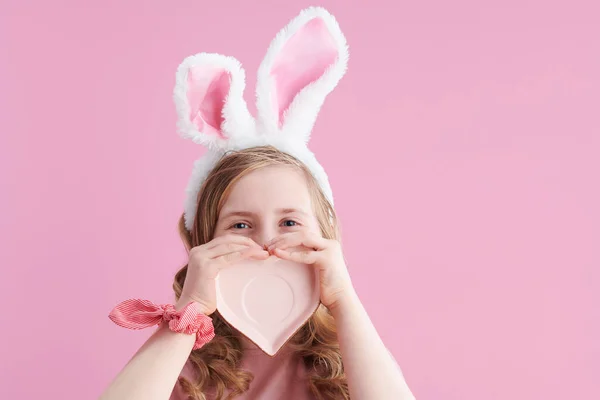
(240, 225)
(289, 222)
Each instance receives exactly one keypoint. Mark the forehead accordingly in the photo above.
(270, 187)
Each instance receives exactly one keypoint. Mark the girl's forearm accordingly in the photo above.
(371, 370)
(152, 372)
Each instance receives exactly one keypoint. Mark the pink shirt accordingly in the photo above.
(280, 377)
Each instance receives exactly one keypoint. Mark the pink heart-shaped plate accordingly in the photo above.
(268, 300)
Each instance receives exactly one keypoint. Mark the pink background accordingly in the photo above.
(463, 148)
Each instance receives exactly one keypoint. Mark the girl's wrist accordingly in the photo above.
(183, 302)
(345, 302)
(184, 317)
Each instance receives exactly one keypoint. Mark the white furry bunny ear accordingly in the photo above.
(209, 100)
(304, 63)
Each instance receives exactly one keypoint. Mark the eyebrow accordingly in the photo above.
(251, 214)
(238, 214)
(291, 211)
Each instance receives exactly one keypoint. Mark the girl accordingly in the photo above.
(257, 193)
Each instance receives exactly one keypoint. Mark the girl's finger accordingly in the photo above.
(226, 248)
(230, 258)
(286, 236)
(280, 238)
(236, 239)
(302, 257)
(309, 241)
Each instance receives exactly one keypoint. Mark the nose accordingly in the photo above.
(264, 234)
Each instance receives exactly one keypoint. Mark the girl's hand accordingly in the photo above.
(325, 254)
(204, 264)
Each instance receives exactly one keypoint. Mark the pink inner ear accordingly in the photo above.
(302, 60)
(207, 91)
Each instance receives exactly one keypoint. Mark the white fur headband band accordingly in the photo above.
(303, 64)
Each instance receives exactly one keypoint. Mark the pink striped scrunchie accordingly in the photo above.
(140, 314)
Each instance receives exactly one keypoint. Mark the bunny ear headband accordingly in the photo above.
(303, 64)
